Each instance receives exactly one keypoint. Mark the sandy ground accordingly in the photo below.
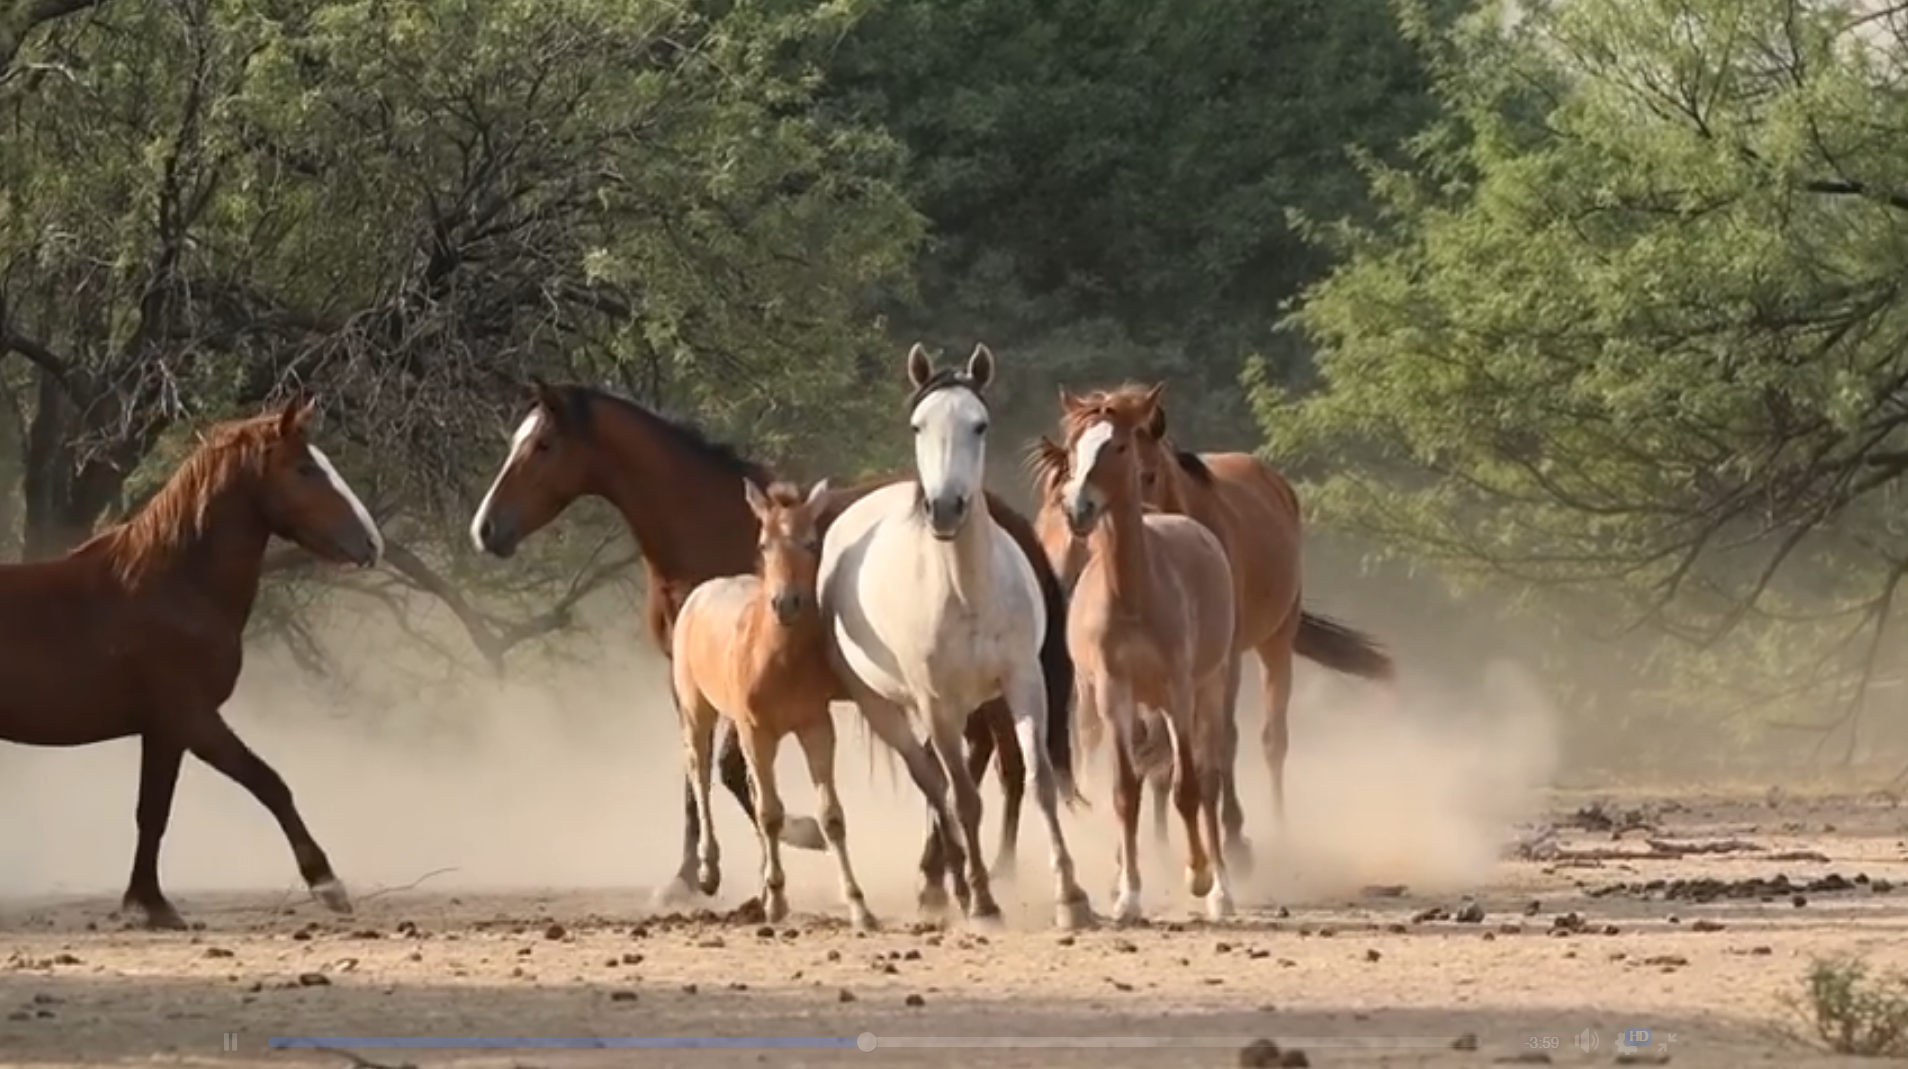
(1394, 927)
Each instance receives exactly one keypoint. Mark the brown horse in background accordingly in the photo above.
(1150, 623)
(751, 649)
(676, 491)
(139, 631)
(1255, 514)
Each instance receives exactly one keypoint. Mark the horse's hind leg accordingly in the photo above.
(1027, 703)
(947, 725)
(1215, 742)
(818, 746)
(211, 740)
(1276, 657)
(889, 722)
(802, 833)
(159, 759)
(1238, 849)
(759, 746)
(998, 725)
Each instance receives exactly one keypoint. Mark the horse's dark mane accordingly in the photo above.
(947, 378)
(1191, 463)
(1046, 463)
(177, 514)
(679, 429)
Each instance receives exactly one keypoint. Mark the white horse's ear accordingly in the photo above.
(980, 366)
(920, 368)
(821, 487)
(758, 501)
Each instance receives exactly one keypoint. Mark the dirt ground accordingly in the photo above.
(1538, 952)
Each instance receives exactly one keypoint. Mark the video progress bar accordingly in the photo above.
(866, 1041)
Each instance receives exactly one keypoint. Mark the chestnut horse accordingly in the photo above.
(676, 491)
(1150, 623)
(1255, 514)
(750, 649)
(139, 631)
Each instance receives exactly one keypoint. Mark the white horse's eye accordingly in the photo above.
(980, 428)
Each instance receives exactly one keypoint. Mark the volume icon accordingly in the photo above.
(1588, 1041)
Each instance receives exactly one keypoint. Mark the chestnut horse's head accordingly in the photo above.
(791, 544)
(305, 500)
(547, 468)
(1108, 437)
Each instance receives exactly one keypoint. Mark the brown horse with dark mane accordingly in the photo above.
(676, 490)
(139, 631)
(1255, 514)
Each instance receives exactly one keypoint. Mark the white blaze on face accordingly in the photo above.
(357, 507)
(525, 431)
(1086, 453)
(950, 443)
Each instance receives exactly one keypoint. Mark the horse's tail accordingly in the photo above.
(1342, 649)
(1056, 663)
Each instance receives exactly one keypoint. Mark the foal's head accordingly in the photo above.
(1107, 438)
(302, 497)
(546, 469)
(949, 416)
(791, 544)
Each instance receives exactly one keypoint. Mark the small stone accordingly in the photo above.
(313, 979)
(1467, 1041)
(844, 995)
(1372, 955)
(217, 952)
(1259, 1054)
(622, 996)
(915, 1000)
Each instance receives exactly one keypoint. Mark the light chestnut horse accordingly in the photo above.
(1255, 514)
(1151, 623)
(751, 649)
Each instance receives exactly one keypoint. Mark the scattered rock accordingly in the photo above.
(217, 952)
(1467, 1041)
(1372, 955)
(689, 989)
(313, 979)
(844, 995)
(766, 931)
(914, 1000)
(622, 995)
(1706, 925)
(1472, 913)
(1259, 1054)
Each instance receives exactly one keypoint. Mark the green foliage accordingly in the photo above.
(1851, 1010)
(1632, 322)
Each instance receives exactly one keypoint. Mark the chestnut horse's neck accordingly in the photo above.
(203, 530)
(1120, 539)
(680, 493)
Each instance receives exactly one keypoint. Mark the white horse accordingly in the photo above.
(932, 608)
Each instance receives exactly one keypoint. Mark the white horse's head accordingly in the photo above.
(950, 436)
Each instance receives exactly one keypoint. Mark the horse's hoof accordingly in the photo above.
(1199, 881)
(709, 880)
(674, 892)
(775, 906)
(932, 900)
(803, 833)
(861, 920)
(1239, 856)
(1218, 904)
(1073, 915)
(331, 894)
(158, 916)
(1002, 870)
(1127, 908)
(985, 916)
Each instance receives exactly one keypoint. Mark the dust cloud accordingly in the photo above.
(567, 775)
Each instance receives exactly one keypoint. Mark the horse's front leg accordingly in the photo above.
(211, 740)
(802, 833)
(1180, 720)
(759, 746)
(889, 723)
(947, 724)
(1027, 705)
(1238, 849)
(1215, 739)
(1114, 699)
(159, 759)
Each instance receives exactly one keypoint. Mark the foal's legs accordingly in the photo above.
(759, 746)
(211, 740)
(159, 759)
(818, 746)
(802, 833)
(698, 738)
(1027, 700)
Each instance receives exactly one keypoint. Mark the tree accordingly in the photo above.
(1633, 324)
